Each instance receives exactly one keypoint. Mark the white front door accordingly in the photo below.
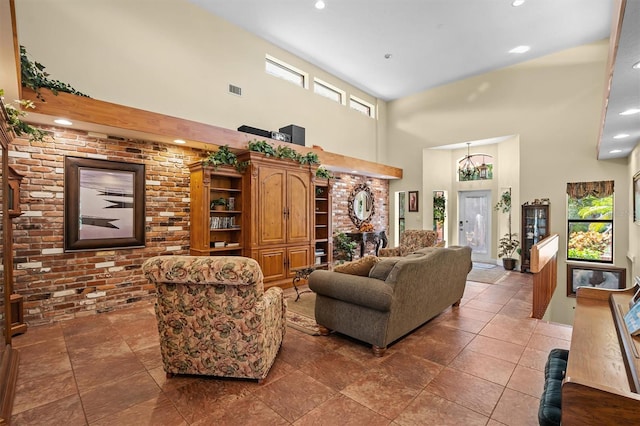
(474, 223)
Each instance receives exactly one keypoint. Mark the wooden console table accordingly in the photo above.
(378, 238)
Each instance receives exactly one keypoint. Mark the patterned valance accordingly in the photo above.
(584, 189)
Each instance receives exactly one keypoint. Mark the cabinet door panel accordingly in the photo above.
(298, 204)
(272, 199)
(272, 263)
(298, 257)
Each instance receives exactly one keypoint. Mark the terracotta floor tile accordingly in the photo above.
(294, 395)
(52, 354)
(39, 334)
(533, 358)
(462, 323)
(114, 397)
(508, 332)
(517, 309)
(43, 390)
(341, 410)
(441, 352)
(486, 367)
(546, 343)
(205, 397)
(484, 306)
(247, 410)
(477, 314)
(297, 351)
(150, 357)
(157, 412)
(429, 409)
(169, 384)
(106, 369)
(517, 409)
(464, 389)
(381, 393)
(560, 331)
(410, 370)
(65, 411)
(83, 325)
(334, 370)
(527, 380)
(496, 348)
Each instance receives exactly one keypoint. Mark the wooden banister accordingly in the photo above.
(545, 273)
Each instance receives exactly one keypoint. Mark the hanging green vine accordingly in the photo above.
(282, 151)
(35, 77)
(225, 157)
(19, 127)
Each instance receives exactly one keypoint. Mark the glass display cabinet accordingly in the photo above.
(535, 227)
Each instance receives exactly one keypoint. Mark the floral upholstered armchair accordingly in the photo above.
(214, 317)
(410, 241)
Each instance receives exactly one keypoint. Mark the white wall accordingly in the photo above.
(174, 58)
(554, 105)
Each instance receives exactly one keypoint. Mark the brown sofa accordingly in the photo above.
(399, 294)
(410, 241)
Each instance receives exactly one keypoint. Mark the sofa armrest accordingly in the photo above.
(389, 252)
(363, 291)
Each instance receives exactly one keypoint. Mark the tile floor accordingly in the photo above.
(480, 364)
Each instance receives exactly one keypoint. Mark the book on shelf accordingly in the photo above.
(233, 244)
(218, 244)
(632, 319)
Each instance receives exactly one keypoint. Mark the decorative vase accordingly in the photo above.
(509, 263)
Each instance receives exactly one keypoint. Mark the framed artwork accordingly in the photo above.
(636, 198)
(104, 204)
(413, 201)
(594, 276)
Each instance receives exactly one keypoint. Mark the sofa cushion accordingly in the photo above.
(359, 267)
(382, 269)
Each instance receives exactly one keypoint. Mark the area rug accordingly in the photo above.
(300, 314)
(483, 274)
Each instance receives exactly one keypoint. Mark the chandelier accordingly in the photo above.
(467, 168)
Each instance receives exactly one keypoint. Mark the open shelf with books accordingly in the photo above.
(323, 242)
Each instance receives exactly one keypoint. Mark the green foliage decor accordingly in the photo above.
(323, 173)
(439, 210)
(225, 157)
(283, 152)
(35, 77)
(509, 243)
(19, 127)
(343, 246)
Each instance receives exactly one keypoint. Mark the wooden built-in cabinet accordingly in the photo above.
(273, 218)
(216, 231)
(535, 227)
(323, 237)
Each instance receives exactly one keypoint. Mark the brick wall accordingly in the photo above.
(341, 189)
(58, 285)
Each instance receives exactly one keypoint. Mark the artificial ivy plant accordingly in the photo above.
(225, 157)
(283, 152)
(19, 127)
(35, 78)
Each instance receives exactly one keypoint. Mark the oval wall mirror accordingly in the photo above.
(361, 205)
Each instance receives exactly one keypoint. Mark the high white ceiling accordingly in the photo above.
(431, 42)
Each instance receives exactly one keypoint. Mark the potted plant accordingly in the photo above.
(509, 243)
(439, 213)
(343, 247)
(219, 204)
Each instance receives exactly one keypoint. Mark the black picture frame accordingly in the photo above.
(104, 204)
(594, 276)
(636, 198)
(414, 203)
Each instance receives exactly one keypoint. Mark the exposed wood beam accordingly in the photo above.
(120, 120)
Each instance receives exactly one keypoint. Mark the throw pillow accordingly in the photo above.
(382, 269)
(360, 267)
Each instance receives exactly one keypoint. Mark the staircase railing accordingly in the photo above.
(545, 273)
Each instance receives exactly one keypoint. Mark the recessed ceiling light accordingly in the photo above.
(621, 136)
(615, 151)
(517, 3)
(630, 111)
(387, 55)
(180, 141)
(63, 121)
(520, 49)
(320, 5)
(636, 65)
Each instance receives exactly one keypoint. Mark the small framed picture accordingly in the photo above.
(413, 201)
(594, 276)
